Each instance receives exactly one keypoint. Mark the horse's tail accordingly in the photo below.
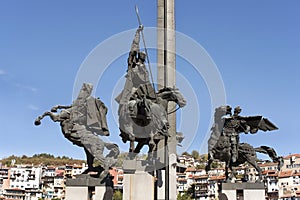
(272, 154)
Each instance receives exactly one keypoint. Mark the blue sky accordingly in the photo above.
(255, 46)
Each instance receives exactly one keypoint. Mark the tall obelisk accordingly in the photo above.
(166, 77)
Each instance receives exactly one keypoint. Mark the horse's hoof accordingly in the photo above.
(37, 122)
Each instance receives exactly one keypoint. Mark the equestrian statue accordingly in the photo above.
(143, 112)
(224, 144)
(82, 123)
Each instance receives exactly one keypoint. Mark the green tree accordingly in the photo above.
(184, 196)
(185, 154)
(215, 164)
(117, 195)
(121, 157)
(37, 159)
(204, 157)
(191, 191)
(195, 154)
(201, 166)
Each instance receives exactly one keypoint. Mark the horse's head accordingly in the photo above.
(172, 94)
(222, 110)
(180, 100)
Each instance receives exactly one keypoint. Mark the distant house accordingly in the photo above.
(289, 178)
(14, 193)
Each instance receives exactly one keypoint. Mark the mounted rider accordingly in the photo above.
(233, 126)
(137, 75)
(224, 145)
(89, 111)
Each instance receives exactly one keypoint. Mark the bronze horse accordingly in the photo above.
(246, 153)
(149, 120)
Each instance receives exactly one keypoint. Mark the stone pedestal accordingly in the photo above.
(138, 183)
(85, 187)
(77, 192)
(244, 191)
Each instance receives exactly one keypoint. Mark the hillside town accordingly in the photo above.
(29, 182)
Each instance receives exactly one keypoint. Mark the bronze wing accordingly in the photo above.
(259, 123)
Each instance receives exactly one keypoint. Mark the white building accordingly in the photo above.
(289, 178)
(25, 177)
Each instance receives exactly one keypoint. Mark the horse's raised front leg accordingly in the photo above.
(54, 117)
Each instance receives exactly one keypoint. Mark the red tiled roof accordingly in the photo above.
(201, 176)
(270, 173)
(284, 174)
(276, 174)
(268, 164)
(240, 168)
(190, 169)
(289, 156)
(222, 177)
(289, 195)
(190, 176)
(59, 172)
(296, 174)
(264, 172)
(17, 189)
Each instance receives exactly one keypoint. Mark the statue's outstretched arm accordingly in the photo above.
(135, 46)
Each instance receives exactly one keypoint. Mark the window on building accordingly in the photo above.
(240, 194)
